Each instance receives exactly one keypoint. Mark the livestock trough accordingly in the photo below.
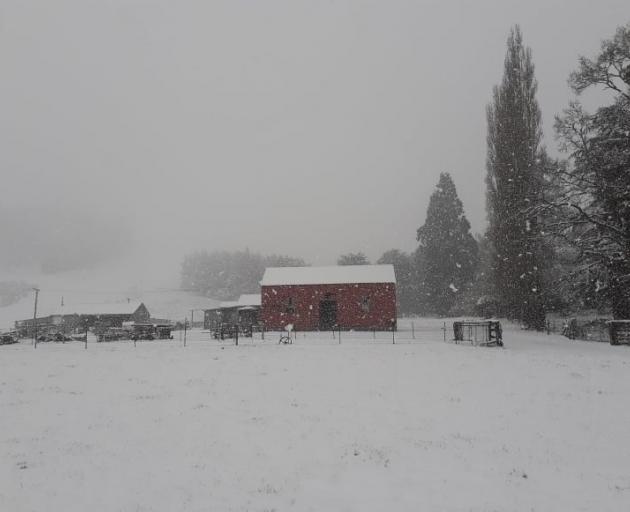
(486, 333)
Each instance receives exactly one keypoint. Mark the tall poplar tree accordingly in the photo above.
(449, 252)
(514, 178)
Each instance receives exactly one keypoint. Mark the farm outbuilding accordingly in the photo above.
(105, 315)
(361, 297)
(69, 318)
(243, 312)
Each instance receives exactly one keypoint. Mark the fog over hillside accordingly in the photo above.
(57, 238)
(136, 132)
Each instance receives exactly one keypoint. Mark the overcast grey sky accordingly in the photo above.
(306, 128)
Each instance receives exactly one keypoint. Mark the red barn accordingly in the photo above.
(361, 297)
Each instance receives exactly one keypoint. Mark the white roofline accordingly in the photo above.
(349, 274)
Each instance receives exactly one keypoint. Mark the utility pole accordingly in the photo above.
(192, 318)
(35, 318)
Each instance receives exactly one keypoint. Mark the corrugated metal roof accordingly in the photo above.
(341, 274)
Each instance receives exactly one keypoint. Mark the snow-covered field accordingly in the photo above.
(165, 303)
(103, 285)
(542, 424)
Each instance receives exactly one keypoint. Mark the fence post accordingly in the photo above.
(185, 325)
(413, 331)
(393, 333)
(339, 334)
(236, 334)
(263, 332)
(444, 329)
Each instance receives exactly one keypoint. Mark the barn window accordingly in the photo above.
(289, 305)
(365, 304)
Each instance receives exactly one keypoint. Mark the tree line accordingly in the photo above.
(559, 229)
(224, 275)
(558, 234)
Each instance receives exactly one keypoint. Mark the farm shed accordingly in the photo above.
(361, 297)
(68, 318)
(224, 313)
(244, 312)
(106, 315)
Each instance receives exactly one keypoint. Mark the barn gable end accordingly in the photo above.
(361, 297)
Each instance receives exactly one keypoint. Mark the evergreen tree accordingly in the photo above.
(421, 305)
(514, 184)
(449, 250)
(405, 279)
(479, 299)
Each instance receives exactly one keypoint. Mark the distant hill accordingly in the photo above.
(94, 287)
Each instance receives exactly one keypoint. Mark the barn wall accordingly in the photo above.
(350, 311)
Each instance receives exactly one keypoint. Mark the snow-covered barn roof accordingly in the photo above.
(342, 274)
(249, 299)
(116, 308)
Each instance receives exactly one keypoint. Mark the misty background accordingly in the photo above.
(134, 132)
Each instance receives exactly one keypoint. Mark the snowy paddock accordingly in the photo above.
(543, 424)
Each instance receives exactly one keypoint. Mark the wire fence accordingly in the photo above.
(407, 333)
(595, 329)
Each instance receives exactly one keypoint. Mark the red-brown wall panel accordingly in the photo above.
(350, 298)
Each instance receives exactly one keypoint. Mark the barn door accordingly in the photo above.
(327, 314)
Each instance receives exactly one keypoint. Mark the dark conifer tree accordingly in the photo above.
(514, 187)
(404, 268)
(449, 251)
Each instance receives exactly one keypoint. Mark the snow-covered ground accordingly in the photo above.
(542, 424)
(115, 283)
(171, 304)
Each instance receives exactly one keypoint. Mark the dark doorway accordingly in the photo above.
(327, 314)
